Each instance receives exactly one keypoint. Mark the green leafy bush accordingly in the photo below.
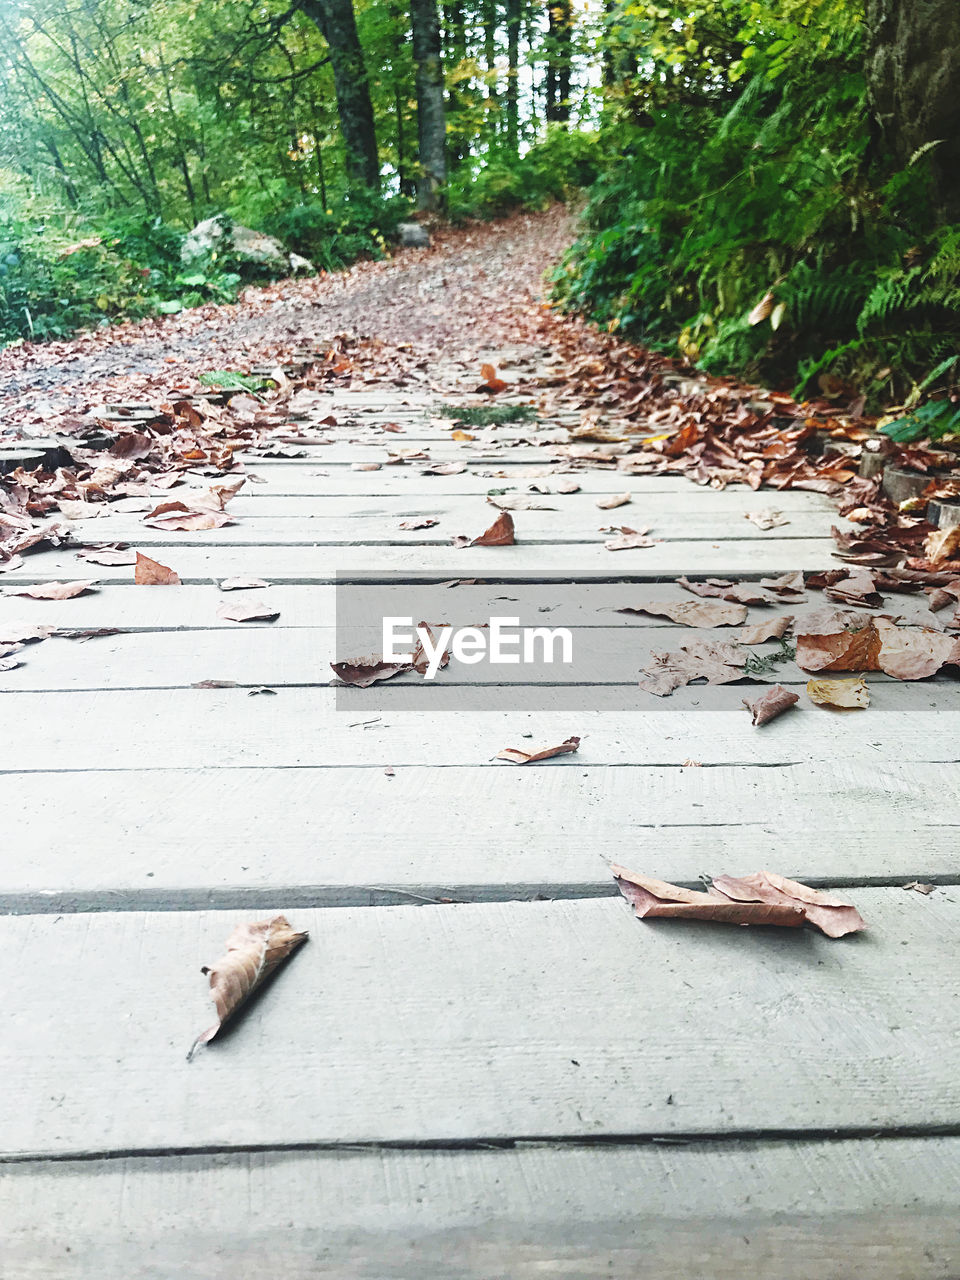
(551, 170)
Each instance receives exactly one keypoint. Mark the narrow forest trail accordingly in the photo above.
(481, 1064)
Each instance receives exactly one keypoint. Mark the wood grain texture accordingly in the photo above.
(740, 1211)
(464, 1023)
(129, 839)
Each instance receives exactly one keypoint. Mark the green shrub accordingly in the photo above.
(564, 162)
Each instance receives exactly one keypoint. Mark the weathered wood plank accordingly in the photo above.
(474, 1022)
(287, 837)
(733, 1211)
(226, 728)
(199, 560)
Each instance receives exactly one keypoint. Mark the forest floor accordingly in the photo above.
(481, 1064)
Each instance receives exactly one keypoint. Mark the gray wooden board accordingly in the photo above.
(479, 1022)
(196, 558)
(176, 659)
(184, 838)
(226, 728)
(796, 1210)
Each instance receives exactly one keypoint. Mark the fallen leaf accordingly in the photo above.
(150, 573)
(830, 640)
(389, 771)
(253, 952)
(461, 435)
(247, 611)
(178, 516)
(720, 588)
(364, 466)
(766, 519)
(772, 703)
(242, 584)
(108, 555)
(942, 544)
(615, 500)
(920, 887)
(215, 684)
(490, 380)
(693, 613)
(858, 588)
(563, 485)
(517, 502)
(16, 633)
(363, 672)
(654, 899)
(830, 915)
(52, 590)
(839, 693)
(774, 629)
(715, 661)
(788, 584)
(913, 653)
(422, 522)
(630, 538)
(444, 469)
(516, 755)
(82, 510)
(500, 534)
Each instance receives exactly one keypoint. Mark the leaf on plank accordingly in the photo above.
(516, 755)
(654, 899)
(829, 914)
(845, 694)
(742, 592)
(443, 469)
(117, 553)
(518, 502)
(500, 534)
(242, 584)
(693, 613)
(766, 519)
(832, 640)
(774, 629)
(491, 382)
(178, 516)
(613, 501)
(788, 585)
(419, 522)
(151, 573)
(629, 539)
(771, 703)
(52, 590)
(253, 952)
(363, 672)
(914, 653)
(714, 661)
(247, 611)
(562, 485)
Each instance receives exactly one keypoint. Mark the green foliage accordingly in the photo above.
(564, 162)
(739, 169)
(231, 380)
(354, 225)
(933, 420)
(485, 415)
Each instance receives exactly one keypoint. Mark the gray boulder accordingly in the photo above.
(259, 250)
(413, 236)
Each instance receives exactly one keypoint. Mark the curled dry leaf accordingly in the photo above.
(655, 899)
(52, 590)
(920, 886)
(518, 502)
(516, 755)
(112, 555)
(443, 469)
(363, 672)
(420, 522)
(82, 510)
(364, 466)
(178, 516)
(150, 573)
(490, 380)
(772, 703)
(913, 653)
(766, 519)
(253, 952)
(789, 584)
(857, 588)
(839, 693)
(830, 915)
(244, 611)
(831, 640)
(693, 613)
(614, 500)
(500, 534)
(242, 584)
(942, 544)
(775, 629)
(17, 633)
(630, 538)
(742, 592)
(562, 485)
(710, 660)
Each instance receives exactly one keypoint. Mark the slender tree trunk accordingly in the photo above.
(431, 116)
(514, 16)
(338, 26)
(489, 18)
(913, 83)
(559, 59)
(455, 52)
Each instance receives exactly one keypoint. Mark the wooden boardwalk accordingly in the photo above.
(481, 1065)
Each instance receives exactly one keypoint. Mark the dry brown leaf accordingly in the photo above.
(653, 899)
(82, 510)
(516, 755)
(150, 573)
(178, 516)
(112, 555)
(247, 611)
(614, 500)
(518, 502)
(490, 380)
(693, 613)
(52, 590)
(919, 886)
(942, 544)
(712, 660)
(500, 534)
(830, 915)
(830, 640)
(562, 485)
(420, 522)
(444, 469)
(789, 584)
(17, 633)
(762, 310)
(364, 466)
(720, 588)
(253, 952)
(775, 629)
(461, 435)
(766, 519)
(913, 653)
(630, 538)
(858, 587)
(363, 672)
(772, 703)
(845, 694)
(242, 584)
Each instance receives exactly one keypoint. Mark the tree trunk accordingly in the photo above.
(431, 116)
(558, 64)
(514, 15)
(338, 26)
(913, 83)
